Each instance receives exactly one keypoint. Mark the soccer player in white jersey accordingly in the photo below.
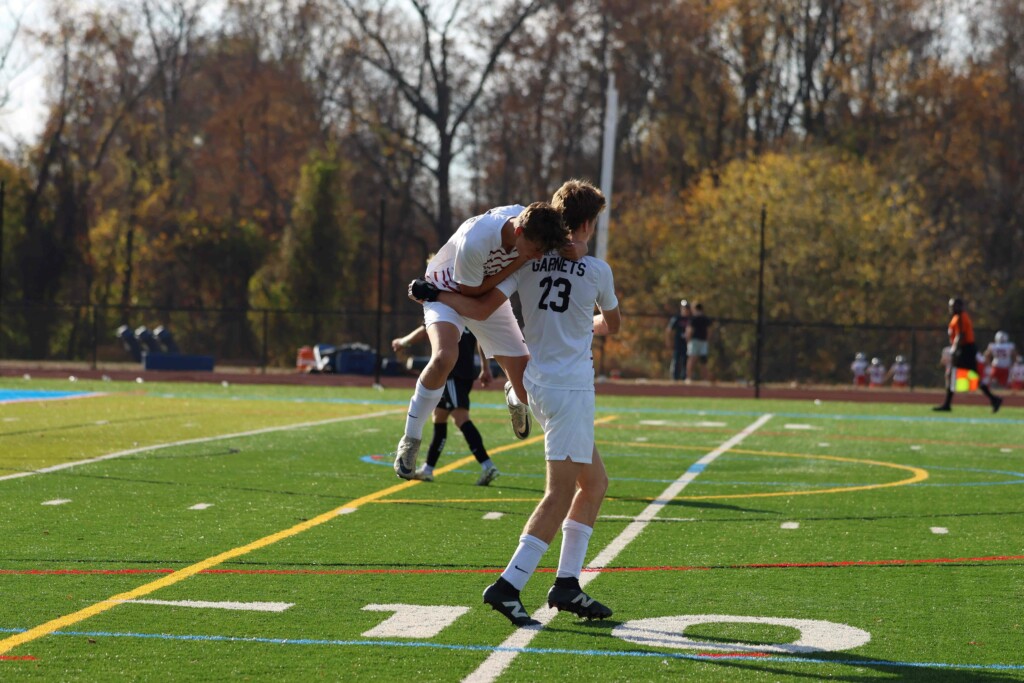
(899, 373)
(876, 373)
(558, 297)
(482, 252)
(999, 357)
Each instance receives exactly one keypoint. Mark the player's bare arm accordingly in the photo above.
(607, 322)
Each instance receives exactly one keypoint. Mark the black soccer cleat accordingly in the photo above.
(421, 290)
(573, 599)
(501, 596)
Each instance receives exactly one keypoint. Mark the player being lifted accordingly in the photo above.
(481, 253)
(558, 297)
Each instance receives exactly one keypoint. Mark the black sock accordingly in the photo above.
(437, 444)
(474, 440)
(568, 582)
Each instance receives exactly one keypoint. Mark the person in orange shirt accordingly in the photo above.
(964, 352)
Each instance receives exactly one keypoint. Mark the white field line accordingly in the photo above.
(502, 657)
(188, 442)
(206, 604)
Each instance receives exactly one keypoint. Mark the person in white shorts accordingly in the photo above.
(483, 251)
(558, 297)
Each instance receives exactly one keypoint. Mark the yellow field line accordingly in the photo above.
(11, 642)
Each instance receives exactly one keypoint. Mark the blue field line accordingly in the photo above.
(774, 659)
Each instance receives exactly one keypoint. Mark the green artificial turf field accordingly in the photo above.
(208, 532)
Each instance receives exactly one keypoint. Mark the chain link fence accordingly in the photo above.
(791, 351)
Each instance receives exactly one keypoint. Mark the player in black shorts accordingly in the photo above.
(455, 403)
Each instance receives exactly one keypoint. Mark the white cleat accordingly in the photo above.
(405, 457)
(422, 475)
(518, 412)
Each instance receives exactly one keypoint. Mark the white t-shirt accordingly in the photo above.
(474, 251)
(558, 297)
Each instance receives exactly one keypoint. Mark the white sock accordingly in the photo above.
(421, 407)
(524, 561)
(513, 397)
(427, 469)
(487, 464)
(575, 539)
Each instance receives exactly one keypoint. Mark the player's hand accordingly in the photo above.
(398, 345)
(574, 250)
(421, 291)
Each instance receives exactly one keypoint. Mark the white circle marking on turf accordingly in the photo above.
(790, 525)
(815, 635)
(201, 506)
(57, 501)
(494, 515)
(939, 530)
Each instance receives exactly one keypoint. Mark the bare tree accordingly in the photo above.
(439, 70)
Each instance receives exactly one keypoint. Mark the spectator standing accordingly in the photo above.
(1017, 374)
(876, 373)
(675, 340)
(455, 404)
(698, 330)
(899, 373)
(859, 368)
(999, 357)
(963, 354)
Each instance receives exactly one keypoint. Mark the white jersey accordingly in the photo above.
(558, 297)
(900, 373)
(859, 366)
(1017, 372)
(876, 373)
(474, 251)
(1002, 354)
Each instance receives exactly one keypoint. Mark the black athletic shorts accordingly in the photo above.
(966, 357)
(456, 394)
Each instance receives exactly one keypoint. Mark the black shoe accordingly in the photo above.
(996, 402)
(942, 409)
(502, 597)
(574, 600)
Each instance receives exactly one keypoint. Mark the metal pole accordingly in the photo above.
(380, 295)
(607, 165)
(760, 311)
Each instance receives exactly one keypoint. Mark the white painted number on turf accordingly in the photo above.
(815, 635)
(413, 621)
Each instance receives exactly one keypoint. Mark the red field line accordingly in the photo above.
(344, 572)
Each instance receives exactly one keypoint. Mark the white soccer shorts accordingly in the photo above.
(499, 335)
(567, 418)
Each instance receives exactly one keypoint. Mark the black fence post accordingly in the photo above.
(760, 310)
(380, 296)
(266, 334)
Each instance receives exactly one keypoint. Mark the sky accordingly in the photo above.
(22, 117)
